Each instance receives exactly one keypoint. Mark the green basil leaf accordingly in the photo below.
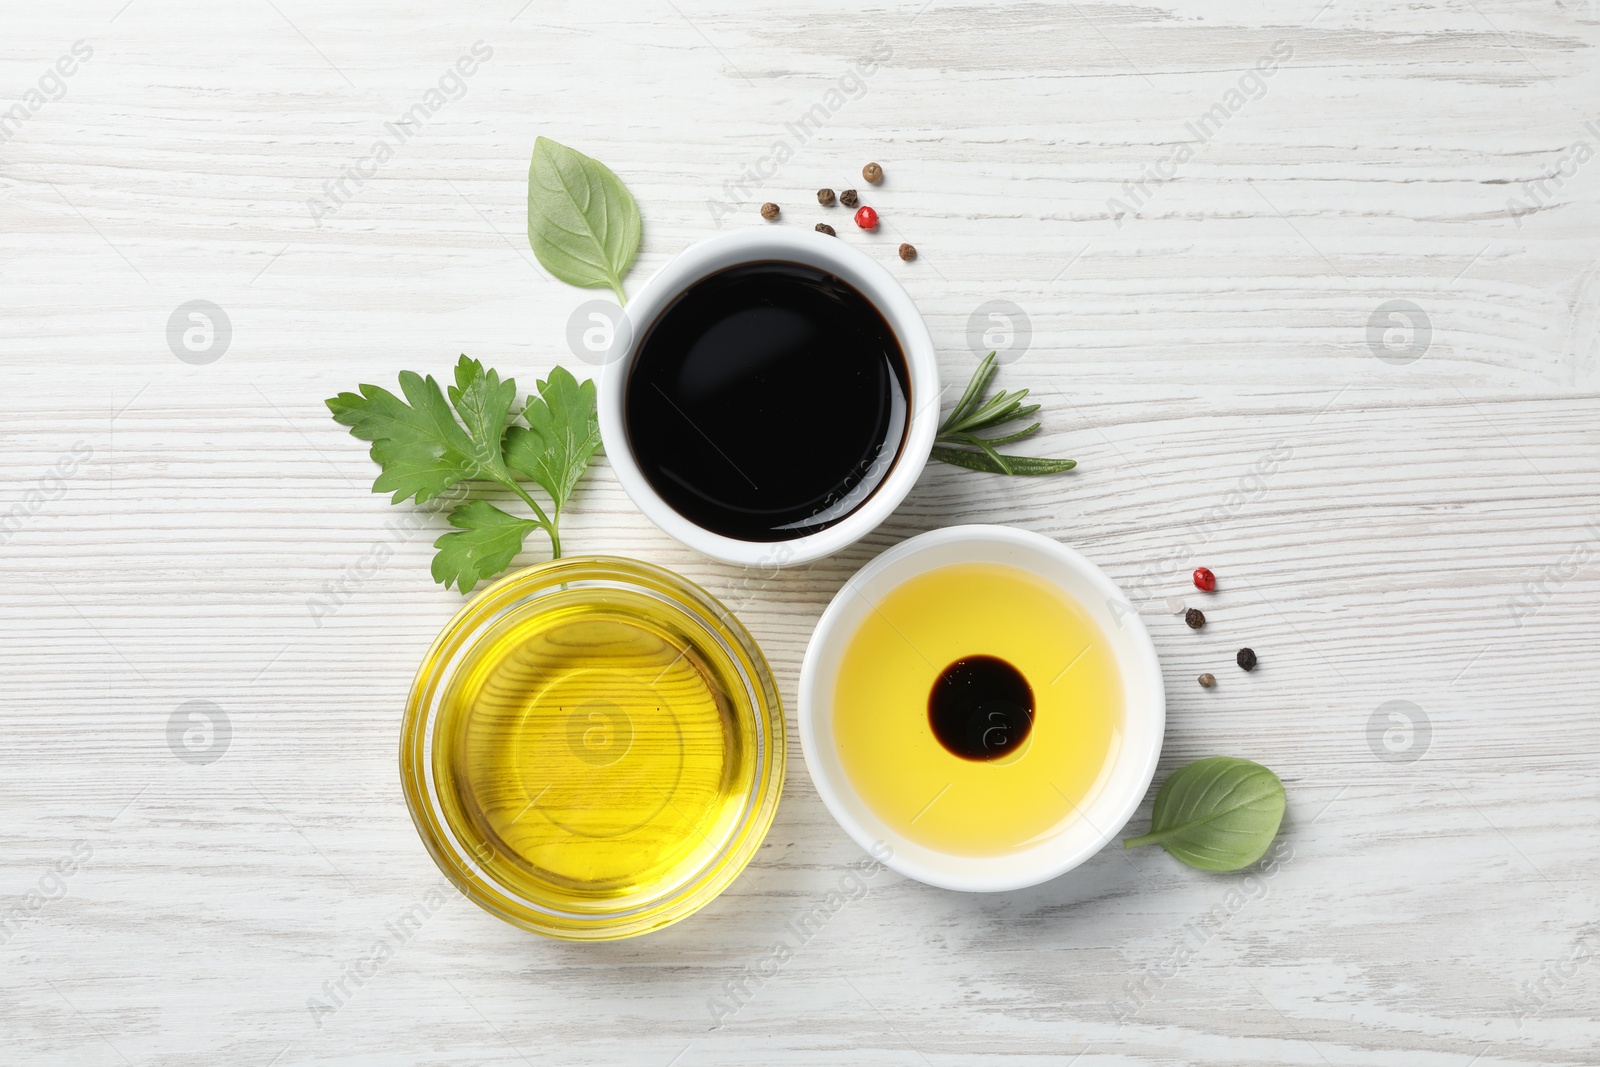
(583, 223)
(1217, 814)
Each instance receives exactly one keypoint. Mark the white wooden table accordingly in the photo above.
(1400, 500)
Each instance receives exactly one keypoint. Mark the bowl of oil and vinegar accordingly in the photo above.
(981, 702)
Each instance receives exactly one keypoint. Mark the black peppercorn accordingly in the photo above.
(825, 197)
(769, 211)
(848, 198)
(873, 173)
(1195, 618)
(908, 253)
(823, 227)
(1246, 659)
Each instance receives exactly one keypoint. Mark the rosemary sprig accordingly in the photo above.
(959, 445)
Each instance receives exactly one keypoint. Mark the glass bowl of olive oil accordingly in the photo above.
(593, 748)
(983, 701)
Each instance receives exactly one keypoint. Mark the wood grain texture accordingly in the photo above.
(1421, 532)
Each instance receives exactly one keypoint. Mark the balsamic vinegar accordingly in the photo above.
(768, 402)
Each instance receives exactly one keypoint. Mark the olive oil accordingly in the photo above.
(977, 709)
(588, 753)
(768, 401)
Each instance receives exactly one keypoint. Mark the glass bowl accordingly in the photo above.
(593, 748)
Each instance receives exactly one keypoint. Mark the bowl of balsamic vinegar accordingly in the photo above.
(773, 396)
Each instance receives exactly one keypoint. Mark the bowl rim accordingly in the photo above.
(755, 245)
(761, 705)
(968, 873)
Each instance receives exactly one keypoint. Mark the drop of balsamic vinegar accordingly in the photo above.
(981, 708)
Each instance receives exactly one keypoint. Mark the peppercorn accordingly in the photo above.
(1246, 659)
(769, 211)
(825, 197)
(1195, 618)
(823, 227)
(1207, 680)
(848, 198)
(1204, 580)
(873, 173)
(867, 218)
(908, 253)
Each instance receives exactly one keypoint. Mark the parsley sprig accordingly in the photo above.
(958, 441)
(427, 445)
(583, 224)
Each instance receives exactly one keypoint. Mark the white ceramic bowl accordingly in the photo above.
(1132, 766)
(756, 245)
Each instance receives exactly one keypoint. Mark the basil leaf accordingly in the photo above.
(583, 223)
(1217, 814)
